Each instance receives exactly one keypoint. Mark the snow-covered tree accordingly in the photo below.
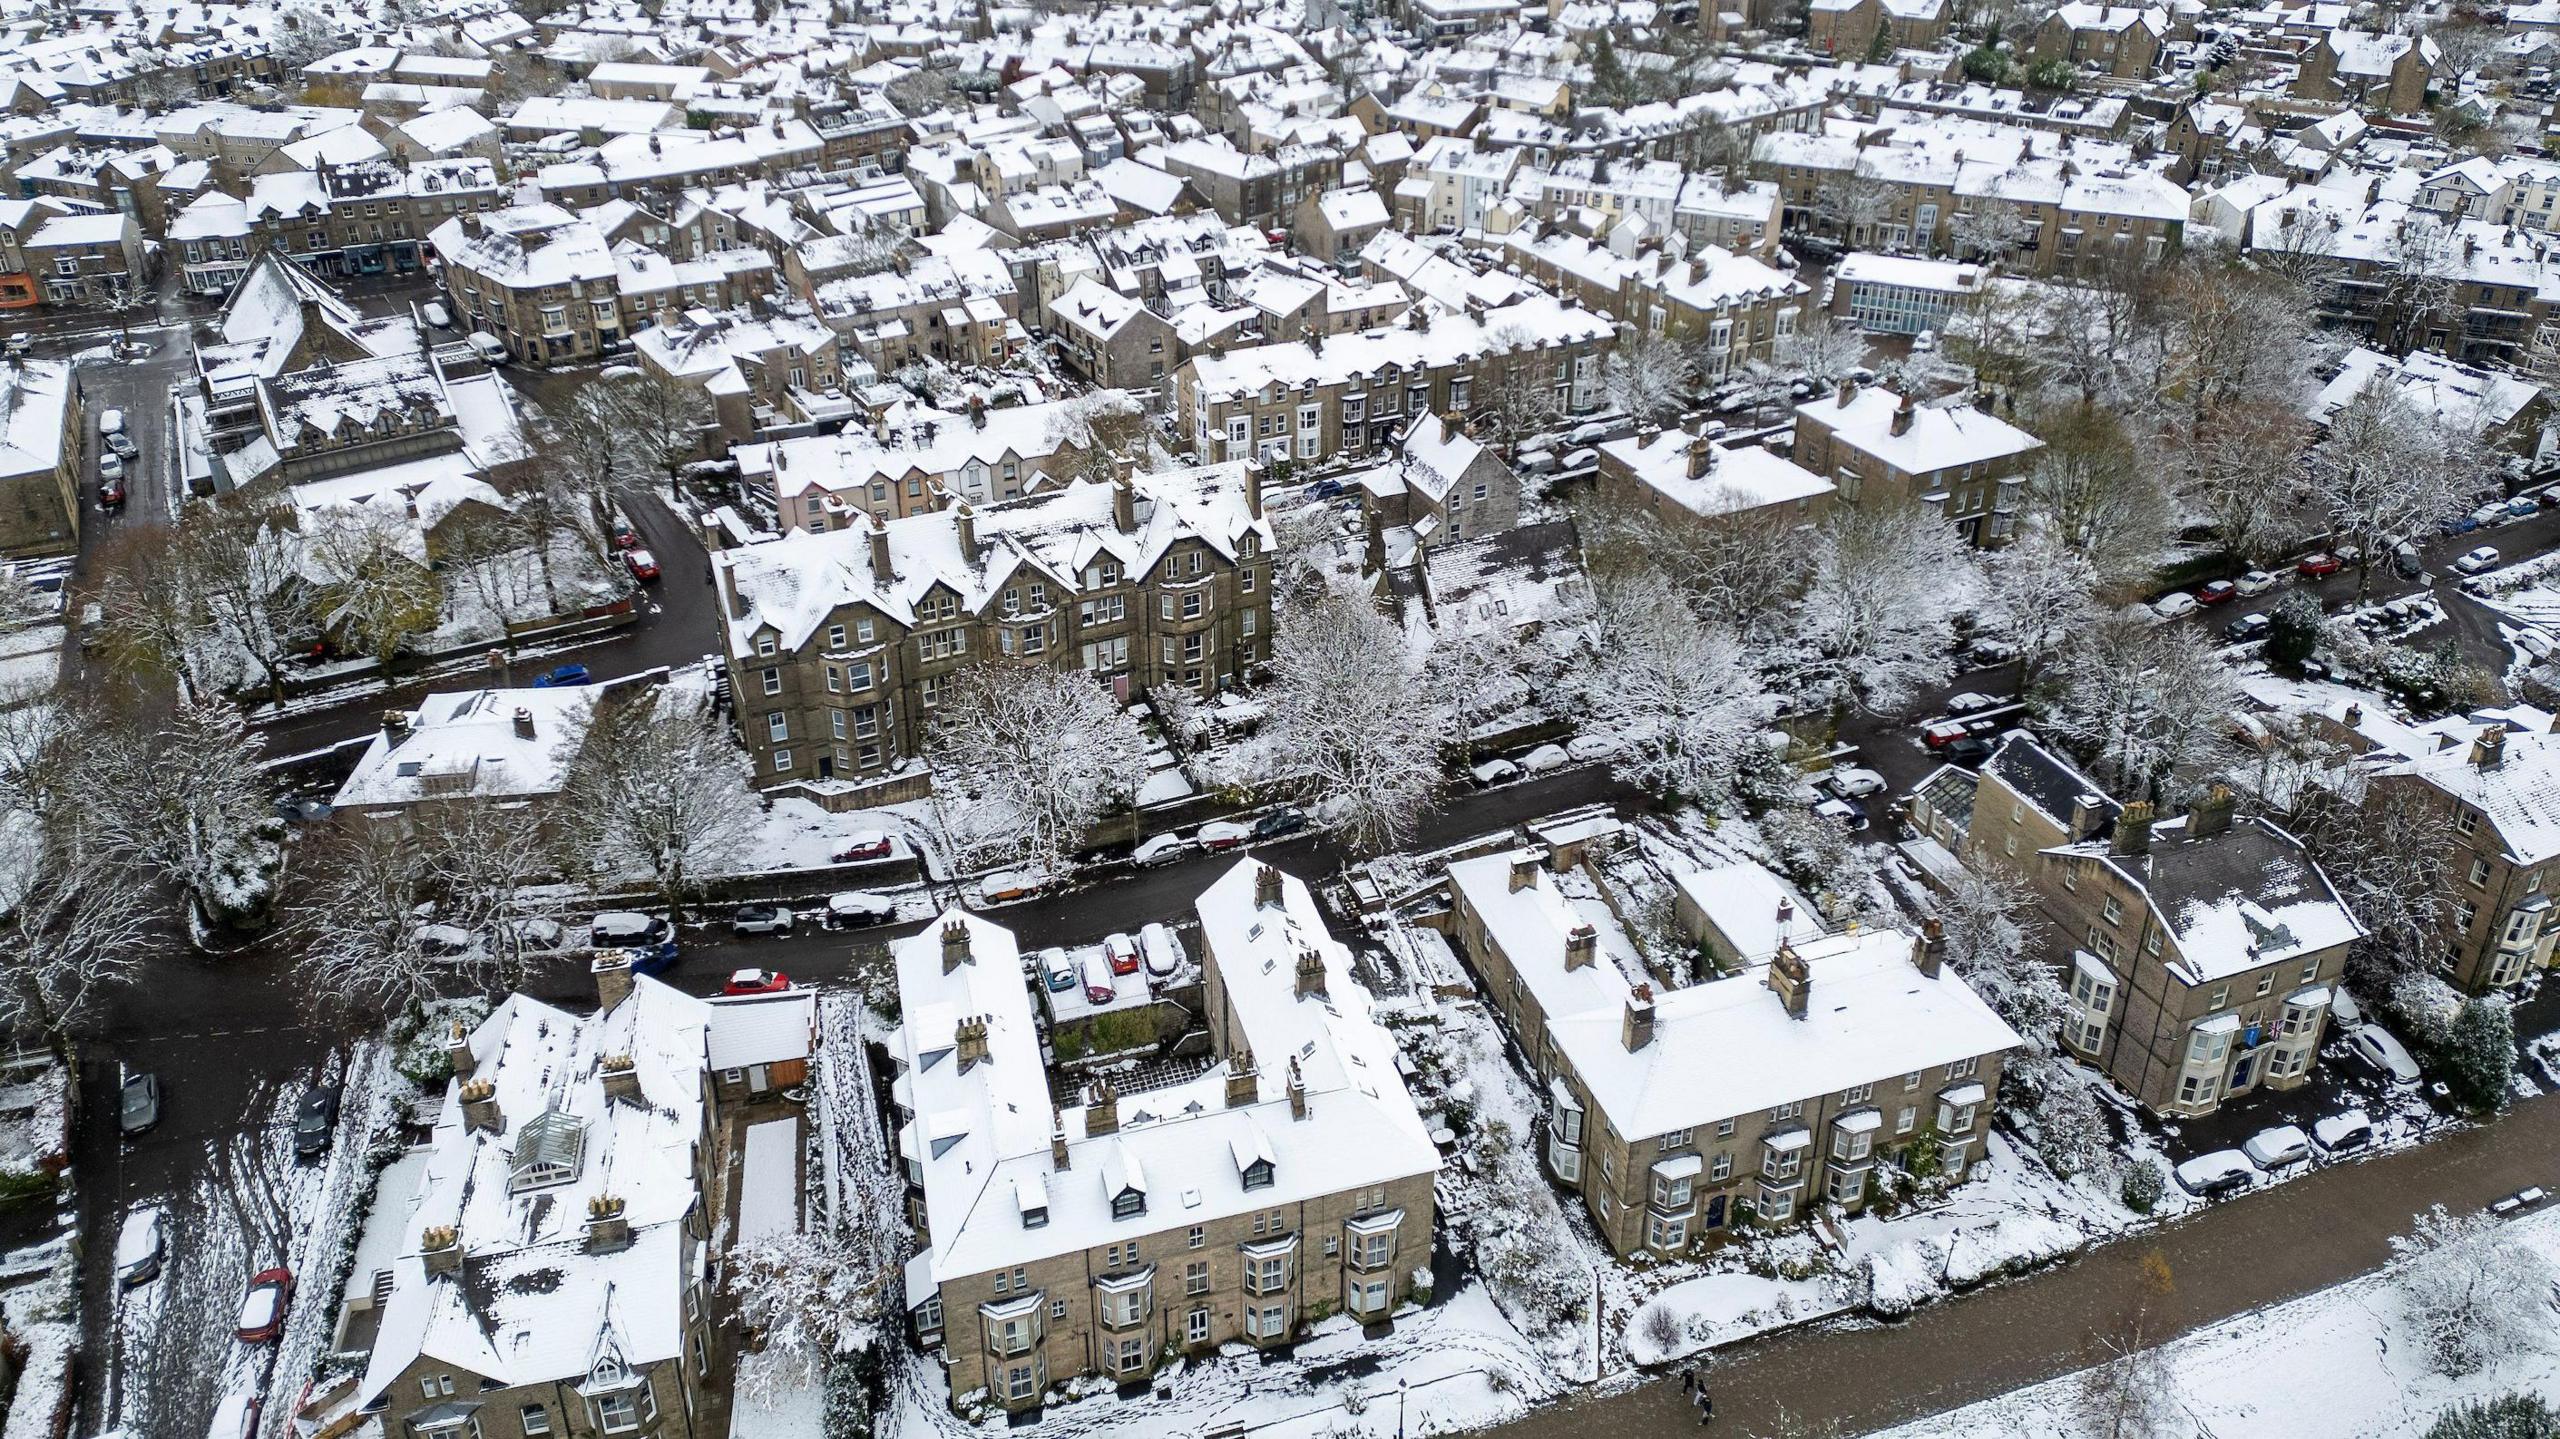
(1518, 399)
(1876, 625)
(1986, 939)
(2241, 467)
(1680, 696)
(2143, 703)
(75, 905)
(1031, 757)
(361, 910)
(657, 789)
(206, 811)
(2038, 592)
(1473, 670)
(1989, 230)
(2386, 471)
(2478, 1055)
(1852, 201)
(2071, 1126)
(304, 33)
(2475, 1293)
(1744, 568)
(1095, 431)
(804, 1299)
(1819, 857)
(1352, 711)
(1650, 375)
(1822, 349)
(2300, 250)
(374, 584)
(2518, 1415)
(2100, 504)
(2226, 335)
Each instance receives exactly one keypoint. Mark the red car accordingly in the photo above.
(1941, 733)
(1122, 951)
(756, 981)
(2218, 592)
(625, 537)
(111, 494)
(642, 564)
(869, 844)
(263, 1308)
(2319, 567)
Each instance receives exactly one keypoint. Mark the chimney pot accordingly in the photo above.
(440, 1247)
(955, 945)
(608, 1226)
(1637, 1031)
(524, 723)
(612, 971)
(2490, 750)
(1101, 1109)
(1266, 888)
(1310, 973)
(621, 1077)
(480, 1108)
(2133, 828)
(1581, 946)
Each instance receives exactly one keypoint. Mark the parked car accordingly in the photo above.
(1493, 772)
(1162, 950)
(111, 466)
(1970, 702)
(2247, 629)
(1853, 783)
(2255, 582)
(123, 446)
(2456, 525)
(2281, 1147)
(642, 564)
(2483, 558)
(853, 907)
(2174, 606)
(761, 919)
(1122, 952)
(864, 844)
(1589, 747)
(437, 315)
(111, 494)
(315, 1121)
(1848, 814)
(1161, 849)
(19, 344)
(2386, 1055)
(490, 349)
(756, 981)
(2342, 1133)
(536, 932)
(2318, 566)
(1545, 759)
(1009, 884)
(263, 1308)
(1972, 750)
(111, 421)
(1224, 834)
(1939, 734)
(443, 941)
(2217, 592)
(1098, 988)
(625, 537)
(1273, 823)
(561, 677)
(1057, 972)
(2211, 1176)
(140, 1244)
(2530, 1197)
(2488, 516)
(653, 937)
(236, 1417)
(1324, 489)
(138, 1102)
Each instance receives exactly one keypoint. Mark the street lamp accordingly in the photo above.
(1401, 1386)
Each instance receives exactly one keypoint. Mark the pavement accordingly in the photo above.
(2280, 1243)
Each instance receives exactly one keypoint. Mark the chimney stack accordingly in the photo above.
(2354, 715)
(1902, 416)
(1124, 503)
(1929, 948)
(524, 723)
(1310, 973)
(1638, 1030)
(1253, 488)
(621, 1078)
(1266, 887)
(1581, 947)
(395, 725)
(480, 1108)
(2133, 828)
(955, 944)
(977, 412)
(1058, 1140)
(457, 1050)
(1702, 457)
(1101, 1109)
(1244, 1083)
(1524, 872)
(440, 1248)
(964, 522)
(969, 1038)
(881, 568)
(608, 1227)
(1848, 392)
(1792, 978)
(1297, 1090)
(2212, 814)
(2490, 750)
(2085, 809)
(612, 971)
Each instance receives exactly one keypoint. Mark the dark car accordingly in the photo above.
(625, 537)
(561, 677)
(315, 1123)
(139, 1105)
(1279, 822)
(1324, 489)
(1972, 750)
(2247, 628)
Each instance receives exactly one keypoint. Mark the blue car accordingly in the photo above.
(2458, 525)
(1324, 489)
(561, 678)
(2524, 507)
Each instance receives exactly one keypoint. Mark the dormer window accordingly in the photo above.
(1128, 1204)
(1257, 1175)
(1036, 1217)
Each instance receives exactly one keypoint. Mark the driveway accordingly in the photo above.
(2277, 1244)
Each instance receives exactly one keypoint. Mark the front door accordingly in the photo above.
(2243, 1072)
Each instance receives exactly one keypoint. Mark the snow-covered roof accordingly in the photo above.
(35, 399)
(1726, 1047)
(496, 743)
(1937, 437)
(1707, 478)
(762, 1028)
(2463, 398)
(2520, 796)
(2232, 900)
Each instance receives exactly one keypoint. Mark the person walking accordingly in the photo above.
(1706, 1407)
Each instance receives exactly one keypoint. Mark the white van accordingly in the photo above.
(235, 1418)
(488, 347)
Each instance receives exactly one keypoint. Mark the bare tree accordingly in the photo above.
(1650, 375)
(2422, 279)
(2227, 336)
(241, 567)
(2302, 252)
(1351, 709)
(2476, 1293)
(1473, 670)
(2038, 592)
(1852, 201)
(2132, 1393)
(2385, 471)
(1822, 349)
(1098, 431)
(2100, 504)
(2243, 466)
(1746, 567)
(2144, 703)
(375, 585)
(75, 903)
(658, 789)
(1038, 755)
(1520, 400)
(1989, 230)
